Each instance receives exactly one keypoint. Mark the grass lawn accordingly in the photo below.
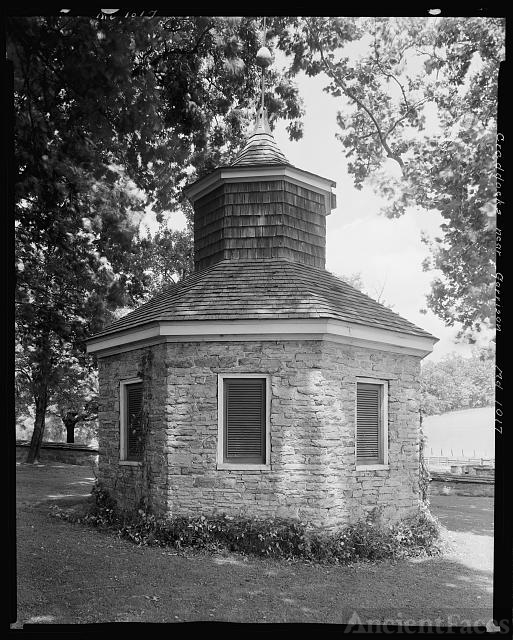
(68, 573)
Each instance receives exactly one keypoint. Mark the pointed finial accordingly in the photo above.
(261, 122)
(263, 60)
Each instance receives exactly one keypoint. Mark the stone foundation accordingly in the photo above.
(313, 474)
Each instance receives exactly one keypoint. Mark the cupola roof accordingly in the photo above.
(259, 255)
(261, 147)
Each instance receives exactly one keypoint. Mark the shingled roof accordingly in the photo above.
(263, 289)
(261, 147)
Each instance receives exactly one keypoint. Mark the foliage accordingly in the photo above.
(111, 116)
(157, 96)
(76, 396)
(356, 281)
(85, 433)
(277, 538)
(456, 382)
(165, 257)
(421, 93)
(424, 475)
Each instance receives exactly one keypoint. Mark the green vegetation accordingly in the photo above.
(420, 93)
(113, 116)
(456, 382)
(369, 540)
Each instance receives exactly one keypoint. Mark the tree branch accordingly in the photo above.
(382, 137)
(24, 373)
(412, 108)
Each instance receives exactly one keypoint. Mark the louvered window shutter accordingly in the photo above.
(369, 423)
(134, 435)
(244, 420)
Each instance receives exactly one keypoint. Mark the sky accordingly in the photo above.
(461, 433)
(387, 253)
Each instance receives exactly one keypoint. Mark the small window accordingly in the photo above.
(371, 423)
(243, 424)
(131, 404)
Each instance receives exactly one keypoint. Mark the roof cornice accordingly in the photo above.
(302, 178)
(280, 329)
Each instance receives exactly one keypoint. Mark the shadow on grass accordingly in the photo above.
(71, 575)
(465, 514)
(432, 591)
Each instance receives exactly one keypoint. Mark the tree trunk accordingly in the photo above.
(39, 426)
(70, 424)
(70, 433)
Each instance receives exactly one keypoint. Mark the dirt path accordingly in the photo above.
(68, 573)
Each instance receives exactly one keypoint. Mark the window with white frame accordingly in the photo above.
(371, 422)
(243, 429)
(131, 427)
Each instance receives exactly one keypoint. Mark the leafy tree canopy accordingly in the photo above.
(355, 280)
(456, 382)
(75, 396)
(420, 92)
(110, 117)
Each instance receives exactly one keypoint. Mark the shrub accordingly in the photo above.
(278, 538)
(418, 533)
(104, 511)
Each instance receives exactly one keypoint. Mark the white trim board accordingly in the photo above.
(374, 466)
(122, 421)
(234, 466)
(280, 329)
(258, 173)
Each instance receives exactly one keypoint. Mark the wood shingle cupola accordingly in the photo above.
(261, 385)
(260, 206)
(259, 266)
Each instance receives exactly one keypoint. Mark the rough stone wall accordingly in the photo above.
(392, 493)
(313, 475)
(294, 486)
(134, 485)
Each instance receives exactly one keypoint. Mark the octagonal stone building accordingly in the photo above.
(262, 385)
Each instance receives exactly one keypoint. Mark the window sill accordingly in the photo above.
(372, 467)
(243, 467)
(130, 463)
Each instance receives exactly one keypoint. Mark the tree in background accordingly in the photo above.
(76, 396)
(404, 71)
(111, 116)
(355, 280)
(456, 382)
(167, 255)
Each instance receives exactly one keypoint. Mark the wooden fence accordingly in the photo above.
(447, 461)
